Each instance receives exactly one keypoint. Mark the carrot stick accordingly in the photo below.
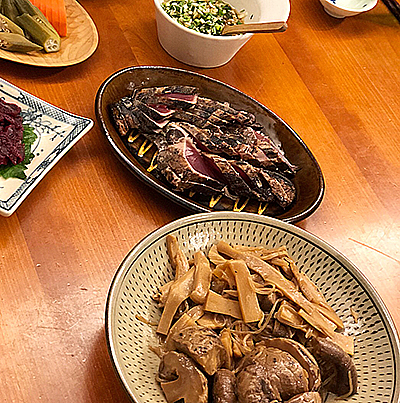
(55, 12)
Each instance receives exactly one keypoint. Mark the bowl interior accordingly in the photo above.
(130, 307)
(258, 10)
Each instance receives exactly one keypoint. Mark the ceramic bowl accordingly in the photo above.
(131, 311)
(200, 50)
(347, 8)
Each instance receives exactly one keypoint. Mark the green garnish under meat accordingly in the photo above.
(205, 16)
(17, 171)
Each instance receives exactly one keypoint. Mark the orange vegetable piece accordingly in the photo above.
(55, 12)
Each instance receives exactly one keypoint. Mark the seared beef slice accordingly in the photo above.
(207, 146)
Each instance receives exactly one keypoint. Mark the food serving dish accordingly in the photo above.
(57, 131)
(347, 8)
(138, 156)
(79, 44)
(132, 315)
(201, 50)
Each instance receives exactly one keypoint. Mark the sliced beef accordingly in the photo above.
(251, 175)
(281, 187)
(274, 153)
(12, 149)
(157, 112)
(182, 164)
(173, 96)
(146, 123)
(237, 142)
(206, 145)
(236, 184)
(268, 186)
(224, 111)
(123, 117)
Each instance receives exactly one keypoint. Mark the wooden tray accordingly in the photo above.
(77, 46)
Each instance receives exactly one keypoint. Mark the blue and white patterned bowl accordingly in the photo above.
(130, 308)
(347, 8)
(57, 132)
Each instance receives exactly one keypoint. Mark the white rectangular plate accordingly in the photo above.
(57, 132)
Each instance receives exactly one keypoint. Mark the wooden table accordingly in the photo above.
(336, 82)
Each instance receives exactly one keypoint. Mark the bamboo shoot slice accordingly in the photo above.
(248, 301)
(177, 258)
(275, 277)
(218, 304)
(179, 291)
(202, 278)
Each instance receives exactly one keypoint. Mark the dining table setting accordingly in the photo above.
(86, 225)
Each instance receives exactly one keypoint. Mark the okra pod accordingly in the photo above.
(26, 7)
(9, 10)
(17, 43)
(6, 25)
(39, 32)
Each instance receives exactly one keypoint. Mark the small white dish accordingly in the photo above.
(201, 50)
(57, 132)
(347, 8)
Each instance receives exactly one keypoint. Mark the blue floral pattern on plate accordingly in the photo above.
(57, 131)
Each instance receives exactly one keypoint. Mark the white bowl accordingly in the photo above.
(201, 50)
(347, 8)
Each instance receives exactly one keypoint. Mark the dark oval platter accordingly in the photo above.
(138, 154)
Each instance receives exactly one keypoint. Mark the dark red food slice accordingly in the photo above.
(12, 149)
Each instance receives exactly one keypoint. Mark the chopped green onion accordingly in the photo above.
(205, 16)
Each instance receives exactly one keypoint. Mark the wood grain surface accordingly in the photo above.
(79, 44)
(336, 82)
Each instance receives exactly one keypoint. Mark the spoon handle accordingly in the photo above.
(263, 27)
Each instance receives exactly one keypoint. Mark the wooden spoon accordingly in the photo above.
(254, 27)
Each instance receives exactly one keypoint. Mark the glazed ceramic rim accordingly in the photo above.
(196, 33)
(175, 225)
(351, 10)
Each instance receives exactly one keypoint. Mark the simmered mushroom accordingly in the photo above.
(302, 355)
(308, 397)
(337, 367)
(180, 379)
(224, 387)
(269, 374)
(203, 345)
